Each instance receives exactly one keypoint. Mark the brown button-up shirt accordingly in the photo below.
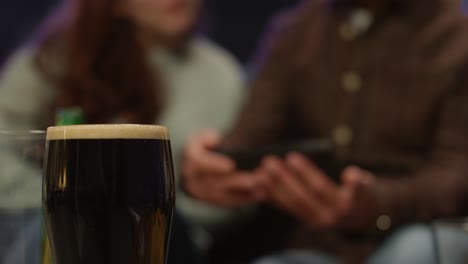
(389, 86)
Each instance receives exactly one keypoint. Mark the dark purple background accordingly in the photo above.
(235, 24)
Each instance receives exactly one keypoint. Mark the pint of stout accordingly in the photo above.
(108, 193)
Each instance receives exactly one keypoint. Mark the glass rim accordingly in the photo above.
(108, 131)
(22, 133)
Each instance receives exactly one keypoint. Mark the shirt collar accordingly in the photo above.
(414, 12)
(385, 6)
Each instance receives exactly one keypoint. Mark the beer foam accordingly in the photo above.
(118, 131)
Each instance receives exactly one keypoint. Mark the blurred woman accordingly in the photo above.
(125, 61)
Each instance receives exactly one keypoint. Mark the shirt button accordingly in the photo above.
(384, 222)
(351, 82)
(346, 32)
(343, 136)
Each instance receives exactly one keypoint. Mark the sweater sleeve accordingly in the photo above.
(25, 96)
(439, 188)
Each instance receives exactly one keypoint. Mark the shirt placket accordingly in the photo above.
(351, 80)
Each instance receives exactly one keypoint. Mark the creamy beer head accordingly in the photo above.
(107, 132)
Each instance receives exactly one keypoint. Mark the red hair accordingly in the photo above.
(103, 68)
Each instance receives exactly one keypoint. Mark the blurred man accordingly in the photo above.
(386, 81)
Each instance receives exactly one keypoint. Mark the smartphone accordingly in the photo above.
(319, 151)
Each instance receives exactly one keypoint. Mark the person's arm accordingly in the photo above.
(265, 116)
(25, 96)
(24, 99)
(440, 187)
(223, 107)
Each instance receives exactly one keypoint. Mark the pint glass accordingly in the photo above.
(108, 193)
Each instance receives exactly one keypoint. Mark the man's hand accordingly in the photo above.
(213, 178)
(300, 188)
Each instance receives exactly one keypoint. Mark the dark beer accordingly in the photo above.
(108, 194)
